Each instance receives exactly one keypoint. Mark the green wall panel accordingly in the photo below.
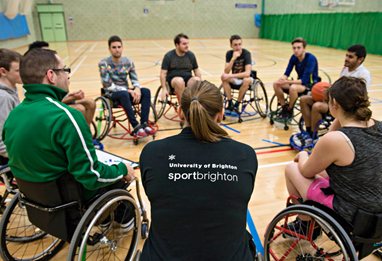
(337, 30)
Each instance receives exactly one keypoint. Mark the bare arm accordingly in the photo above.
(198, 73)
(244, 74)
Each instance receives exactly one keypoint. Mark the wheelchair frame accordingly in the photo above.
(116, 116)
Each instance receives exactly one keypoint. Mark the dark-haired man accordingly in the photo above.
(177, 67)
(312, 111)
(306, 66)
(114, 71)
(46, 138)
(9, 99)
(237, 72)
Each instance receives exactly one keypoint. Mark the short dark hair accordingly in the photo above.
(35, 63)
(7, 57)
(178, 37)
(114, 38)
(38, 44)
(299, 40)
(359, 50)
(234, 37)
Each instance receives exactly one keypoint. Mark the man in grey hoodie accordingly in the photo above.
(9, 99)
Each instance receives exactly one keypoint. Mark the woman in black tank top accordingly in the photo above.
(343, 171)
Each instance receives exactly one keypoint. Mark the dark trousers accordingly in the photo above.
(126, 101)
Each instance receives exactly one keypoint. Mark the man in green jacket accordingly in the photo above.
(45, 138)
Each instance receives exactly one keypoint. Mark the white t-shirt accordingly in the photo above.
(360, 72)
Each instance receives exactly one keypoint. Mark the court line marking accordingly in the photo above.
(255, 235)
(273, 151)
(78, 48)
(78, 65)
(274, 142)
(265, 166)
(230, 128)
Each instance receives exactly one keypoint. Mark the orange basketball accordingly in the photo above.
(319, 91)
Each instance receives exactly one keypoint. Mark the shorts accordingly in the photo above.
(185, 79)
(316, 194)
(236, 83)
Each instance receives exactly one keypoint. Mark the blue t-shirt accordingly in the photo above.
(307, 69)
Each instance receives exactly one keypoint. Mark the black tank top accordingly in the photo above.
(359, 185)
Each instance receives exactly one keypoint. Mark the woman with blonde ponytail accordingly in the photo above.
(199, 183)
(344, 170)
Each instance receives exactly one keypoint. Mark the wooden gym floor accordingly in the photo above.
(270, 57)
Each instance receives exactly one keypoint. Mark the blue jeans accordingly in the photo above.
(126, 101)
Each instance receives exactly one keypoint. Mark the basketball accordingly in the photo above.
(319, 91)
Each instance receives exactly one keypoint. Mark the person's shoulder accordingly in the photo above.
(125, 60)
(190, 53)
(229, 52)
(170, 53)
(311, 56)
(104, 61)
(246, 52)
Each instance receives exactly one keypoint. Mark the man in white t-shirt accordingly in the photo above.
(312, 111)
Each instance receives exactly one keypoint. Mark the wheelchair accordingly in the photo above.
(255, 101)
(275, 108)
(6, 177)
(109, 114)
(326, 237)
(169, 107)
(43, 216)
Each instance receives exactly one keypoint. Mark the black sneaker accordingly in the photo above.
(300, 227)
(229, 109)
(125, 216)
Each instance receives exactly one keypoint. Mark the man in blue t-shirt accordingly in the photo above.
(237, 72)
(306, 66)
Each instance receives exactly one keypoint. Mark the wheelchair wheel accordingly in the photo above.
(20, 240)
(93, 130)
(159, 105)
(102, 117)
(99, 236)
(322, 239)
(261, 98)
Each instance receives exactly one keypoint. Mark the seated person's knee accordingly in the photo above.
(247, 80)
(177, 82)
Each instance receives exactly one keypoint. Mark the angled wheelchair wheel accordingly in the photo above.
(159, 105)
(102, 117)
(21, 240)
(100, 234)
(261, 98)
(153, 117)
(321, 239)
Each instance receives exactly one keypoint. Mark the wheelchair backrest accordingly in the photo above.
(54, 206)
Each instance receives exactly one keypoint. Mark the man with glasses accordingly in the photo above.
(76, 99)
(9, 99)
(306, 66)
(114, 71)
(46, 138)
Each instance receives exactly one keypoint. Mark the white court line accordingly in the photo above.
(274, 164)
(207, 73)
(158, 45)
(92, 48)
(78, 65)
(78, 48)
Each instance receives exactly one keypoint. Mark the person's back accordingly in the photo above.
(199, 192)
(359, 185)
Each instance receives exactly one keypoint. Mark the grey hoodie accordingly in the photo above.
(9, 99)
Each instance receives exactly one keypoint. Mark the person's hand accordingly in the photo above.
(130, 176)
(163, 93)
(73, 96)
(300, 155)
(235, 55)
(225, 76)
(137, 95)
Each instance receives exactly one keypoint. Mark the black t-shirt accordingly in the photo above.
(179, 65)
(241, 61)
(199, 193)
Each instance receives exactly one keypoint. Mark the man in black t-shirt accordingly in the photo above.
(237, 72)
(177, 67)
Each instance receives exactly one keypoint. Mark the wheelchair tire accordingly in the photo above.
(159, 105)
(261, 98)
(329, 242)
(90, 237)
(102, 117)
(21, 240)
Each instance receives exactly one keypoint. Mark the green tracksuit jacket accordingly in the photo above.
(46, 138)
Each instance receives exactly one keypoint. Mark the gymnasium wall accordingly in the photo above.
(157, 19)
(13, 43)
(337, 27)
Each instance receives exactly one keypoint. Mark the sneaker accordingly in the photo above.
(302, 139)
(229, 109)
(125, 216)
(148, 129)
(300, 227)
(139, 132)
(105, 224)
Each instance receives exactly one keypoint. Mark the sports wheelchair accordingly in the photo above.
(6, 177)
(326, 236)
(43, 216)
(275, 108)
(168, 108)
(255, 101)
(109, 114)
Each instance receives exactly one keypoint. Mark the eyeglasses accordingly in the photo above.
(68, 70)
